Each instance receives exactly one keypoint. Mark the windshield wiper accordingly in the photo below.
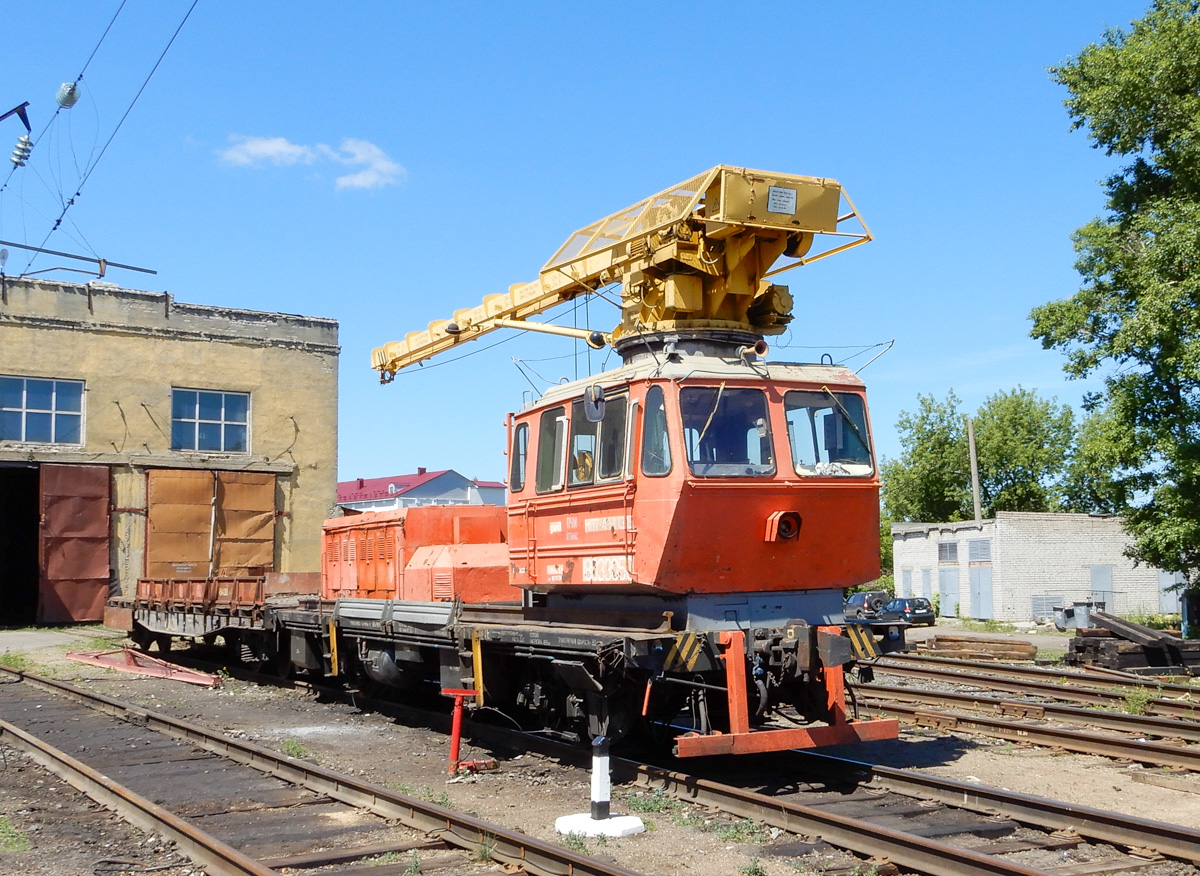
(849, 420)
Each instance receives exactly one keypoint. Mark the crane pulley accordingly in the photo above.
(696, 257)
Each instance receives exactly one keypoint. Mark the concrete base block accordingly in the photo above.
(585, 825)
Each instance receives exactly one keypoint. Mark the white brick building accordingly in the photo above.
(1018, 566)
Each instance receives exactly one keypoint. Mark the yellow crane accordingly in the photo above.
(697, 257)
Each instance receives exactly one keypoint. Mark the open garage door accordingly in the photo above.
(73, 543)
(203, 524)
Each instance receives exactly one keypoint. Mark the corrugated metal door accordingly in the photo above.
(947, 591)
(73, 545)
(203, 523)
(179, 520)
(245, 522)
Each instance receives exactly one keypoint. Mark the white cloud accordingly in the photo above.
(377, 168)
(273, 150)
(380, 170)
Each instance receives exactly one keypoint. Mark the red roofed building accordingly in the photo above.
(445, 487)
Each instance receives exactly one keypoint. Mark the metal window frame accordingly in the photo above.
(24, 410)
(196, 420)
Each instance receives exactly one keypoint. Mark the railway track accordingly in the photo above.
(243, 810)
(1169, 700)
(922, 824)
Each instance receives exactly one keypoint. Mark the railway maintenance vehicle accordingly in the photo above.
(679, 530)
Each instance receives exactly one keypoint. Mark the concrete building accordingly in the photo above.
(143, 437)
(445, 487)
(1019, 566)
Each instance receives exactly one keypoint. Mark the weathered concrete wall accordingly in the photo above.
(1031, 555)
(131, 348)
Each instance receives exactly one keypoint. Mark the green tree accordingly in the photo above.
(1022, 442)
(1135, 321)
(1093, 483)
(931, 480)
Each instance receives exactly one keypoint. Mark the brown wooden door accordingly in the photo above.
(73, 549)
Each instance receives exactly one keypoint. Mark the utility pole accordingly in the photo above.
(974, 469)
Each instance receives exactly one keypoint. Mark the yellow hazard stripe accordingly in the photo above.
(862, 643)
(685, 652)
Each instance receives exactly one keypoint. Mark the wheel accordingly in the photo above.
(878, 603)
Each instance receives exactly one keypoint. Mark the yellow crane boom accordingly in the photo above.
(697, 256)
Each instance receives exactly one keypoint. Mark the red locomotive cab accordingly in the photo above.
(698, 476)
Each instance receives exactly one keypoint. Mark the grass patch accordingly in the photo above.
(295, 748)
(1137, 701)
(11, 841)
(753, 868)
(986, 626)
(652, 801)
(414, 866)
(681, 814)
(576, 843)
(1051, 656)
(744, 831)
(16, 660)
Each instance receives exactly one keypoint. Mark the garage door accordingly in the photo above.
(202, 524)
(73, 558)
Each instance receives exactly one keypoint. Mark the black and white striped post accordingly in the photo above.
(601, 779)
(600, 821)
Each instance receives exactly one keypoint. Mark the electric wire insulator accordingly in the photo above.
(67, 96)
(24, 147)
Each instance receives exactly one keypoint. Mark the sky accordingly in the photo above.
(385, 164)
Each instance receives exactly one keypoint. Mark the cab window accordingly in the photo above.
(726, 431)
(828, 433)
(520, 450)
(551, 446)
(597, 449)
(656, 449)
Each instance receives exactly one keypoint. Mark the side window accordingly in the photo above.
(520, 450)
(582, 463)
(612, 438)
(656, 449)
(552, 436)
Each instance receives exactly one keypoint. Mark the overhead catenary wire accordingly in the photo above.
(78, 189)
(78, 78)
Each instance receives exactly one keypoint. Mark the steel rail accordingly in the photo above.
(1156, 753)
(1137, 724)
(862, 837)
(1099, 825)
(456, 828)
(217, 858)
(1040, 685)
(1036, 673)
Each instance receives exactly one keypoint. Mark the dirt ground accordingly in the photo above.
(525, 793)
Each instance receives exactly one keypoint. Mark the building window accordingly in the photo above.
(203, 420)
(41, 411)
(947, 552)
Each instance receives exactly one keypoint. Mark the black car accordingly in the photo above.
(867, 604)
(913, 609)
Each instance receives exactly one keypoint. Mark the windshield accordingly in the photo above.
(726, 431)
(828, 433)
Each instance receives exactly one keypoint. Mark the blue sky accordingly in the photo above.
(385, 164)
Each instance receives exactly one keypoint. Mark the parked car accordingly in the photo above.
(913, 609)
(865, 605)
